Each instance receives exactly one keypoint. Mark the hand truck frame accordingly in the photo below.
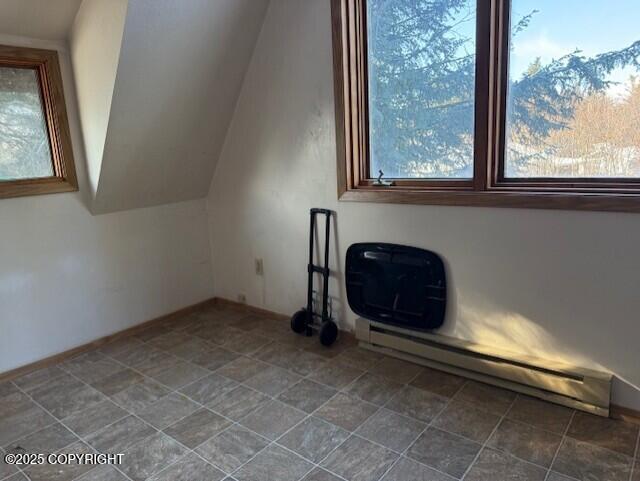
(305, 321)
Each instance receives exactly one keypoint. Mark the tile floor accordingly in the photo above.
(227, 395)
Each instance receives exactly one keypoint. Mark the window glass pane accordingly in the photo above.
(24, 142)
(421, 87)
(573, 107)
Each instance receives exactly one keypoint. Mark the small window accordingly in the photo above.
(35, 145)
(512, 103)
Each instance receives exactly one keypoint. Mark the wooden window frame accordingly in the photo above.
(47, 66)
(488, 188)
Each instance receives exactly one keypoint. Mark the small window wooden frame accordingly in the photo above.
(47, 66)
(489, 187)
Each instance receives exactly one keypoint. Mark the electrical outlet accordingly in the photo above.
(259, 267)
(242, 299)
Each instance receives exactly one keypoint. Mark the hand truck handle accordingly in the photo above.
(321, 211)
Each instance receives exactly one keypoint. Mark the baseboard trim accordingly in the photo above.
(616, 412)
(131, 331)
(62, 356)
(625, 414)
(254, 310)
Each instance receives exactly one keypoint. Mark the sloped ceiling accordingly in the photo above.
(41, 19)
(96, 41)
(180, 72)
(157, 82)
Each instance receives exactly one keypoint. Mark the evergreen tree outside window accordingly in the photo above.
(521, 103)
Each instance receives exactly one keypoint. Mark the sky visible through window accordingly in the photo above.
(560, 27)
(577, 129)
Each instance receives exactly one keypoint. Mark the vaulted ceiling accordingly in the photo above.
(157, 82)
(179, 74)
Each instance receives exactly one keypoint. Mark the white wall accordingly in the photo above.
(179, 75)
(67, 277)
(560, 285)
(96, 40)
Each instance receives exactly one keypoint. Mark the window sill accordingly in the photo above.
(22, 188)
(497, 198)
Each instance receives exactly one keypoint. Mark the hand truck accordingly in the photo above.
(305, 321)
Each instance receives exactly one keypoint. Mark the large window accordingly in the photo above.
(35, 147)
(525, 103)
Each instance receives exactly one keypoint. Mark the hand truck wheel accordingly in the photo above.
(299, 321)
(328, 333)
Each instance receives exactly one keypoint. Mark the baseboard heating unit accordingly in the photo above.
(571, 386)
